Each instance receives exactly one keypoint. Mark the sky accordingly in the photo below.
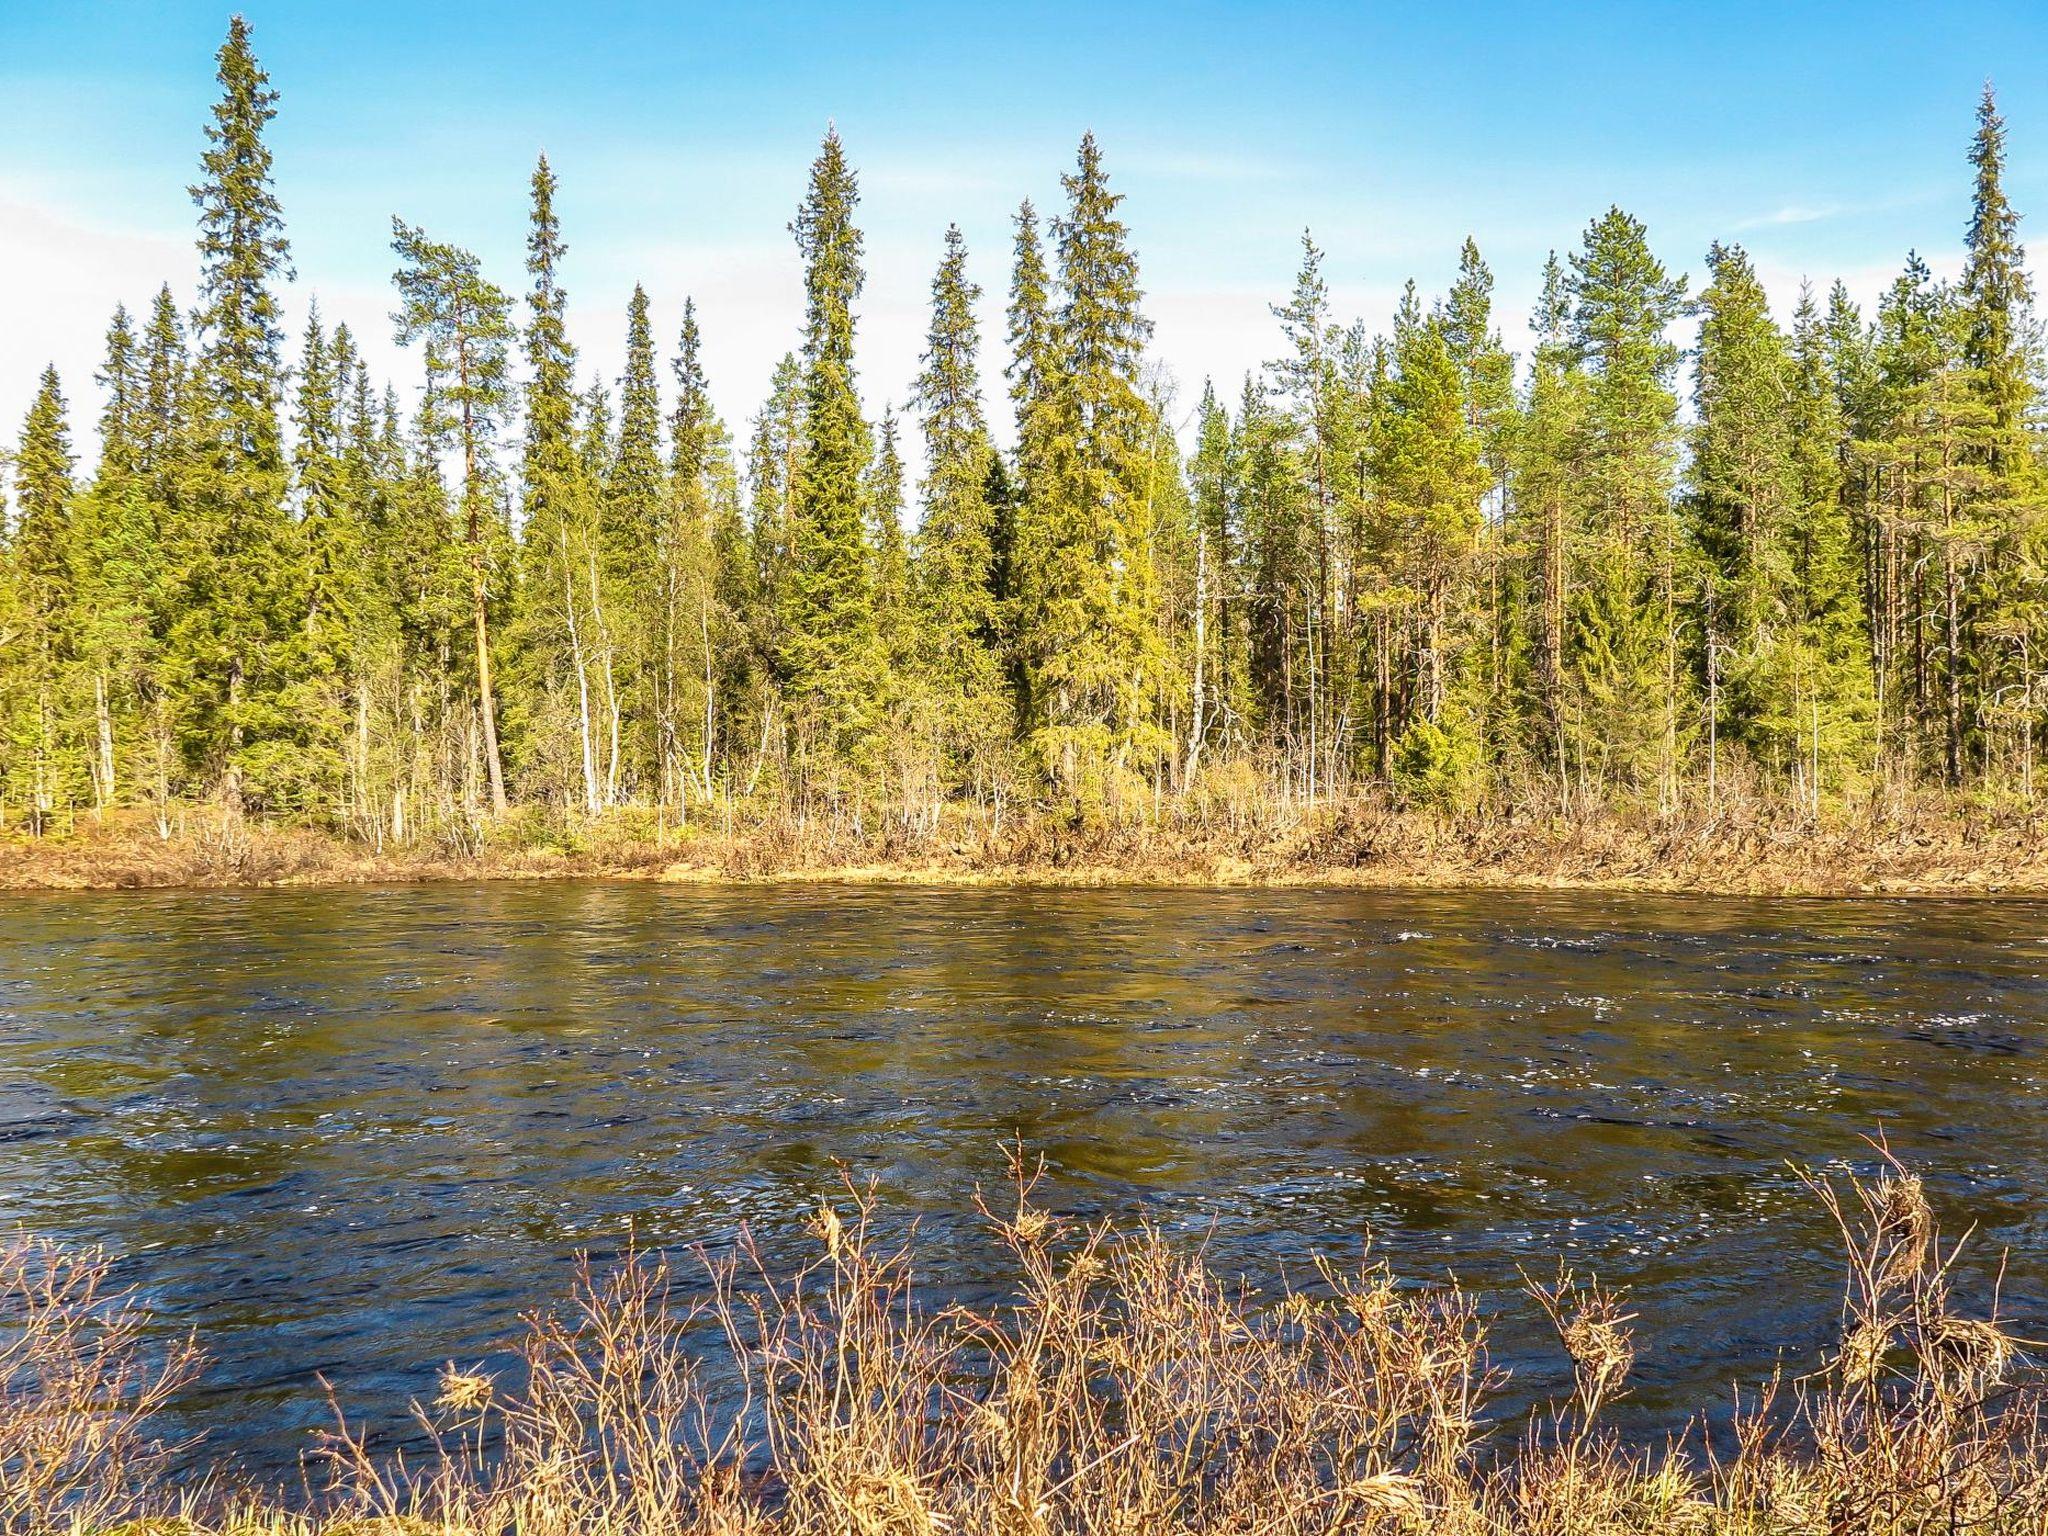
(1828, 139)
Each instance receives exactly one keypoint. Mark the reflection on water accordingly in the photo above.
(355, 1133)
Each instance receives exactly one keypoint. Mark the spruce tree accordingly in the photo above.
(159, 412)
(1624, 643)
(117, 570)
(828, 651)
(957, 622)
(1488, 371)
(2009, 516)
(1742, 498)
(550, 360)
(636, 513)
(1083, 573)
(1216, 697)
(890, 581)
(327, 673)
(1426, 462)
(1306, 386)
(1280, 558)
(39, 736)
(707, 578)
(1924, 539)
(1831, 704)
(1996, 294)
(234, 618)
(561, 676)
(771, 472)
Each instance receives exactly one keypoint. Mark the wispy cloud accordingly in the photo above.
(1794, 213)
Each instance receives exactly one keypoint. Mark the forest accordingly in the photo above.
(1804, 559)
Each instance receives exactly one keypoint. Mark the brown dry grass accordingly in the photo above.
(1899, 844)
(1124, 1390)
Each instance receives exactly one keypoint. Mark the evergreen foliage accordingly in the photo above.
(1406, 562)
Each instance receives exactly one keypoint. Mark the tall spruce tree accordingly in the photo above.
(1831, 707)
(636, 510)
(1426, 459)
(1624, 643)
(234, 620)
(1084, 607)
(2001, 351)
(956, 608)
(1742, 502)
(116, 570)
(42, 752)
(830, 662)
(707, 578)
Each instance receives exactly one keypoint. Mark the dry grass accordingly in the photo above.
(1124, 1390)
(1742, 843)
(78, 1393)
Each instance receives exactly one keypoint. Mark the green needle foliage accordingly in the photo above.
(1397, 562)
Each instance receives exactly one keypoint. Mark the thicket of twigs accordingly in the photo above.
(1124, 1388)
(1235, 829)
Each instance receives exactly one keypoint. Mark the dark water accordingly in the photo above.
(355, 1133)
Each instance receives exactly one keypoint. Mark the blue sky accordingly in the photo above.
(1827, 138)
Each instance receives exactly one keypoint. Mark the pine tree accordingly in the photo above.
(1312, 608)
(1551, 448)
(464, 324)
(1217, 701)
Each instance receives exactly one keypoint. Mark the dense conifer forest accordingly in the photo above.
(1398, 561)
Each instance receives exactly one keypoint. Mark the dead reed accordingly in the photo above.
(1123, 1389)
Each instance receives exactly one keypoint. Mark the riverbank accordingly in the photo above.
(1931, 847)
(1120, 1386)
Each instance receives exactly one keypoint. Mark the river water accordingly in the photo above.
(354, 1133)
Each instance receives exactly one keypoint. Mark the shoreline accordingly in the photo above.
(1910, 858)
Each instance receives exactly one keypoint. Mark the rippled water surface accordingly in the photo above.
(355, 1133)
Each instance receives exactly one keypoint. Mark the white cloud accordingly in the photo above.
(1793, 213)
(66, 276)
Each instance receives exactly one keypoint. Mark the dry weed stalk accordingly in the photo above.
(78, 1393)
(1123, 1389)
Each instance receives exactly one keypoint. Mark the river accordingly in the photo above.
(354, 1133)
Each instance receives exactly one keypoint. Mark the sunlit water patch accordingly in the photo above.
(355, 1133)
